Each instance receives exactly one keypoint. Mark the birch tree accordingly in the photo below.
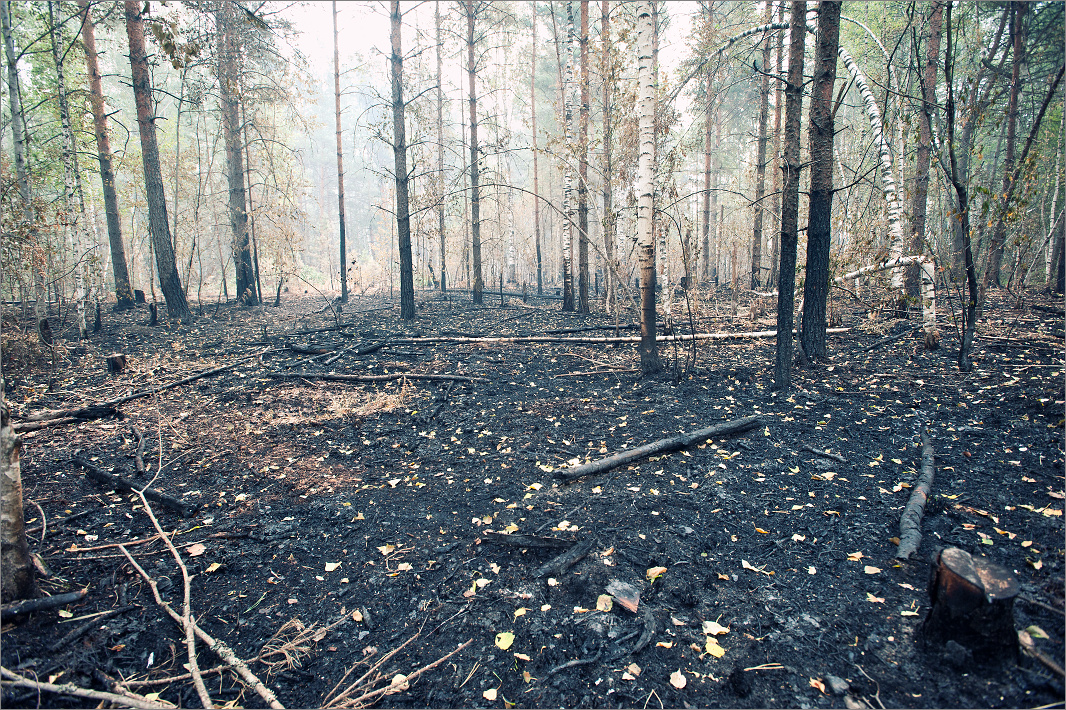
(399, 152)
(647, 85)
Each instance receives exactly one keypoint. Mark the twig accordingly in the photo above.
(572, 664)
(138, 456)
(174, 678)
(97, 618)
(70, 689)
(123, 484)
(823, 454)
(44, 522)
(363, 700)
(370, 378)
(1040, 604)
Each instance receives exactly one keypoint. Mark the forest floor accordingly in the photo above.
(358, 514)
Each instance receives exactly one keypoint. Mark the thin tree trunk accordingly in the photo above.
(708, 123)
(790, 164)
(583, 165)
(927, 76)
(647, 82)
(569, 206)
(609, 220)
(440, 157)
(16, 568)
(251, 205)
(775, 170)
(536, 178)
(231, 130)
(819, 229)
(1019, 15)
(79, 232)
(123, 292)
(475, 197)
(158, 224)
(399, 153)
(760, 153)
(340, 159)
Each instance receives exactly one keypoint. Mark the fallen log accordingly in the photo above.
(129, 700)
(910, 523)
(461, 340)
(370, 378)
(99, 475)
(94, 621)
(661, 446)
(93, 411)
(561, 563)
(889, 339)
(30, 606)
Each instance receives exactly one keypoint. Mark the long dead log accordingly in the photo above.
(910, 523)
(563, 562)
(39, 420)
(430, 340)
(29, 606)
(369, 378)
(519, 540)
(661, 446)
(99, 475)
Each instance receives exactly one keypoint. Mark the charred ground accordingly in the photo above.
(399, 481)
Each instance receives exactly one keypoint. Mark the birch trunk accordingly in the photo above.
(583, 167)
(16, 568)
(399, 153)
(440, 156)
(647, 82)
(475, 197)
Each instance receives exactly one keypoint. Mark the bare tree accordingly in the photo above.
(760, 153)
(647, 84)
(790, 164)
(607, 77)
(440, 155)
(16, 568)
(583, 167)
(536, 172)
(158, 223)
(340, 158)
(399, 153)
(470, 12)
(819, 228)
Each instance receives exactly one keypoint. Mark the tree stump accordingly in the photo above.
(116, 363)
(153, 315)
(138, 296)
(972, 605)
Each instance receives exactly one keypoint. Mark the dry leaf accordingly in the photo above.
(213, 567)
(665, 644)
(604, 602)
(521, 611)
(504, 639)
(714, 628)
(195, 550)
(855, 556)
(815, 683)
(907, 612)
(713, 648)
(398, 685)
(357, 615)
(330, 566)
(553, 582)
(527, 676)
(870, 569)
(677, 679)
(489, 694)
(654, 573)
(404, 567)
(634, 669)
(764, 532)
(875, 600)
(65, 614)
(386, 549)
(522, 656)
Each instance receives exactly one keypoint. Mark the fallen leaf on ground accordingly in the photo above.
(386, 549)
(714, 628)
(677, 679)
(604, 602)
(504, 639)
(522, 656)
(330, 566)
(399, 684)
(815, 683)
(855, 556)
(521, 611)
(357, 615)
(489, 694)
(195, 550)
(213, 567)
(870, 569)
(713, 648)
(634, 669)
(875, 600)
(1037, 632)
(654, 573)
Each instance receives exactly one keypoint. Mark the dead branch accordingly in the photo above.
(518, 540)
(122, 484)
(431, 340)
(573, 663)
(131, 700)
(910, 523)
(371, 378)
(661, 446)
(889, 339)
(558, 565)
(823, 454)
(30, 606)
(138, 456)
(77, 632)
(219, 648)
(93, 411)
(191, 378)
(293, 642)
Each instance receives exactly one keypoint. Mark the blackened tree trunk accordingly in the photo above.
(158, 223)
(440, 157)
(708, 124)
(536, 173)
(1019, 15)
(609, 221)
(775, 168)
(583, 166)
(816, 285)
(340, 158)
(231, 132)
(475, 197)
(760, 154)
(647, 81)
(251, 204)
(927, 77)
(790, 165)
(399, 154)
(123, 292)
(16, 568)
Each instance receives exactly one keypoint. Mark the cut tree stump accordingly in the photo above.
(972, 605)
(116, 363)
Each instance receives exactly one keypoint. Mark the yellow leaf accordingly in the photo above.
(764, 532)
(677, 679)
(511, 528)
(65, 614)
(151, 696)
(386, 549)
(713, 648)
(521, 611)
(504, 639)
(1037, 632)
(870, 569)
(855, 556)
(604, 602)
(213, 567)
(815, 683)
(875, 600)
(654, 573)
(330, 566)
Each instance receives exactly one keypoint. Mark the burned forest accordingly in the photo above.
(532, 354)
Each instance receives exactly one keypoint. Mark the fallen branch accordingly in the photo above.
(186, 380)
(131, 700)
(910, 523)
(518, 540)
(430, 340)
(122, 484)
(823, 454)
(30, 606)
(889, 339)
(371, 378)
(661, 446)
(561, 563)
(39, 420)
(77, 632)
(573, 663)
